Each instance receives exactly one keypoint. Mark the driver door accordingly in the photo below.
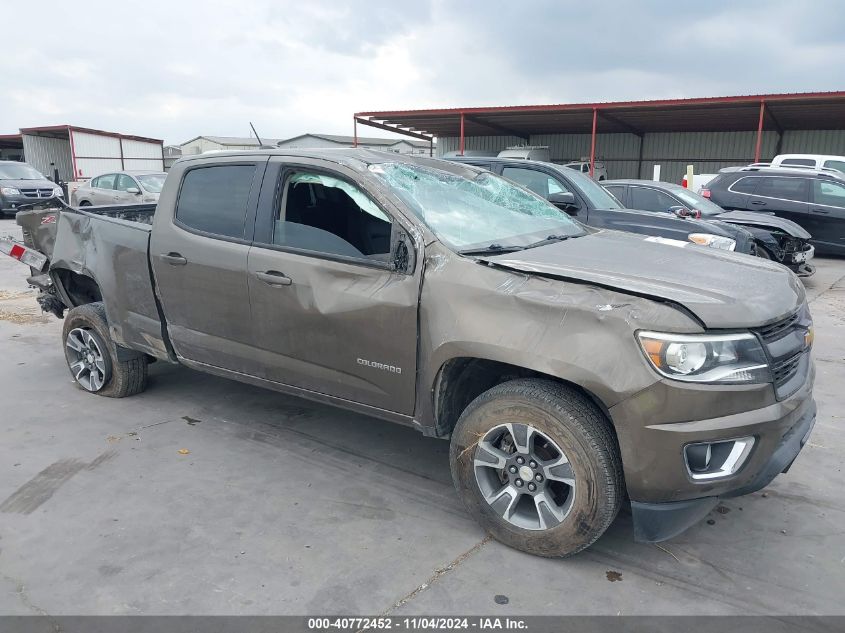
(331, 313)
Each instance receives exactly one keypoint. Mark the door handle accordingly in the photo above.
(274, 278)
(174, 259)
(758, 203)
(822, 211)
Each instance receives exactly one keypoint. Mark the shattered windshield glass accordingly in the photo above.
(475, 214)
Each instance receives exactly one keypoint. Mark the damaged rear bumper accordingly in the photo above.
(654, 522)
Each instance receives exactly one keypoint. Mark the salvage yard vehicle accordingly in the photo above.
(121, 187)
(21, 184)
(774, 238)
(570, 367)
(599, 170)
(581, 197)
(813, 161)
(813, 199)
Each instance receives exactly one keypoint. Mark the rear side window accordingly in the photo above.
(744, 185)
(835, 164)
(794, 189)
(214, 199)
(804, 162)
(105, 182)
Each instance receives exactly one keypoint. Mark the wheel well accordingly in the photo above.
(80, 289)
(462, 380)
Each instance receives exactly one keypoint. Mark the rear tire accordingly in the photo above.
(583, 489)
(92, 356)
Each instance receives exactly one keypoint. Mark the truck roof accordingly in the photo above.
(354, 157)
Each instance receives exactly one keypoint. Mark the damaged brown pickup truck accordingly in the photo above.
(573, 369)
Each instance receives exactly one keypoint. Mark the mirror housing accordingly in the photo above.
(565, 200)
(134, 190)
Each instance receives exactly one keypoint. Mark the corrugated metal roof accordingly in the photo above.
(249, 141)
(798, 111)
(366, 140)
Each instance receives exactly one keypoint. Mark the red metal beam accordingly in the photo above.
(760, 131)
(657, 103)
(462, 133)
(593, 144)
(354, 131)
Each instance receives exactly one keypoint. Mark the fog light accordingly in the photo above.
(698, 457)
(712, 460)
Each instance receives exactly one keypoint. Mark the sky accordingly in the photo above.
(183, 68)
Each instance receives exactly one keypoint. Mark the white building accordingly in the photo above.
(201, 144)
(398, 145)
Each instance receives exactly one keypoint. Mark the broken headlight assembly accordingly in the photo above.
(713, 241)
(710, 358)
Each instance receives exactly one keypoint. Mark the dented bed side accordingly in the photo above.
(114, 254)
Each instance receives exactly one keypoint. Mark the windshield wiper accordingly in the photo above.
(549, 240)
(493, 248)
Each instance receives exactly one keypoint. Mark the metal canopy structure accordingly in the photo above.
(778, 112)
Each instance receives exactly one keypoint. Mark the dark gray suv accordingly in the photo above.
(811, 198)
(22, 184)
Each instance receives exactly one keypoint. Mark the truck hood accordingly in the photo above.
(723, 289)
(750, 218)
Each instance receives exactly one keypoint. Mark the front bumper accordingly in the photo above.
(654, 522)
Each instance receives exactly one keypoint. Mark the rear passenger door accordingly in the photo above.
(331, 311)
(103, 192)
(787, 197)
(199, 259)
(826, 222)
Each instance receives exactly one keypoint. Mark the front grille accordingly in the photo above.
(785, 370)
(38, 193)
(777, 330)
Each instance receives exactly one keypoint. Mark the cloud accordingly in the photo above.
(179, 69)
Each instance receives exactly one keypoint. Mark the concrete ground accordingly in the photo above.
(281, 506)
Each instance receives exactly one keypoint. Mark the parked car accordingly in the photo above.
(22, 184)
(599, 171)
(120, 187)
(811, 198)
(568, 367)
(813, 161)
(775, 238)
(581, 197)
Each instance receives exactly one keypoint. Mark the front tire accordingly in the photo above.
(536, 463)
(93, 358)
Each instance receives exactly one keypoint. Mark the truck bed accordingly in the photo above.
(108, 244)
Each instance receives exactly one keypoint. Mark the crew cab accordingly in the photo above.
(581, 197)
(571, 368)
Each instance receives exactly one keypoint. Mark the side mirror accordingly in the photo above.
(134, 190)
(564, 200)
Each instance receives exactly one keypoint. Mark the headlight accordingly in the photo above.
(713, 241)
(721, 358)
(58, 192)
(10, 191)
